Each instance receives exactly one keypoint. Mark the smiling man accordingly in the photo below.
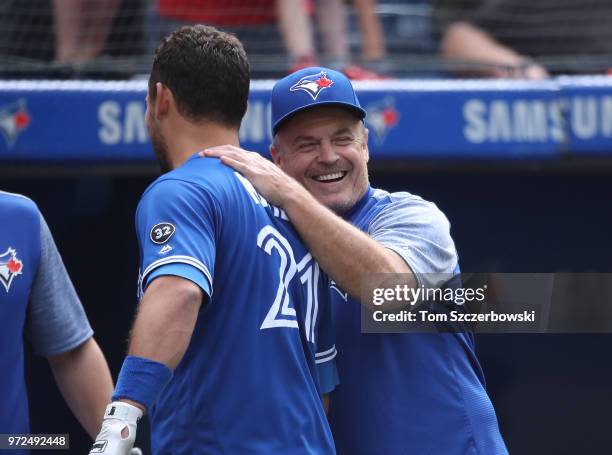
(398, 393)
(310, 145)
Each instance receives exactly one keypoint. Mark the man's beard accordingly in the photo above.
(159, 147)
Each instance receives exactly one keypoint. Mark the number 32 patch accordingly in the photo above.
(162, 232)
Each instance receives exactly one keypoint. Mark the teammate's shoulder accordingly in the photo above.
(197, 178)
(17, 202)
(193, 171)
(203, 169)
(203, 172)
(168, 190)
(19, 210)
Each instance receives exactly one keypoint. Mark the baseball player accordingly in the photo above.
(399, 393)
(37, 298)
(229, 352)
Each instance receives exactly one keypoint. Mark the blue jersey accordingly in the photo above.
(36, 299)
(19, 256)
(408, 393)
(247, 383)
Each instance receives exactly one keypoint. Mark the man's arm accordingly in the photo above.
(163, 327)
(347, 254)
(84, 379)
(164, 324)
(172, 286)
(325, 401)
(344, 252)
(172, 289)
(59, 330)
(166, 318)
(467, 42)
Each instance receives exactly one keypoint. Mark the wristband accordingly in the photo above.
(141, 380)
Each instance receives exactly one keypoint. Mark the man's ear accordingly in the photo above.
(163, 98)
(275, 155)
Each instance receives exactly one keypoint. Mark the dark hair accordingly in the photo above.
(207, 71)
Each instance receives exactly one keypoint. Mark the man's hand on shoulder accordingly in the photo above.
(268, 179)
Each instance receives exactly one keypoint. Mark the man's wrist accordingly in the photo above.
(296, 198)
(141, 381)
(133, 403)
(124, 411)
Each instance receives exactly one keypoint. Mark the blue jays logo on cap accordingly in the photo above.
(313, 84)
(314, 81)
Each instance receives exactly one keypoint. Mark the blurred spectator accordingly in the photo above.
(506, 38)
(255, 23)
(296, 27)
(82, 28)
(63, 38)
(373, 50)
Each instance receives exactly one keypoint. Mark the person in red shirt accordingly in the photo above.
(223, 13)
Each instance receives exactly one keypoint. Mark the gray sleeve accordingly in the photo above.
(56, 320)
(420, 233)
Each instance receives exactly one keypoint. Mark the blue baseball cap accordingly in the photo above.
(312, 87)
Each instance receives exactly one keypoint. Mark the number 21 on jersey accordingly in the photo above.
(281, 313)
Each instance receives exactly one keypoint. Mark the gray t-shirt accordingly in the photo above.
(416, 230)
(56, 321)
